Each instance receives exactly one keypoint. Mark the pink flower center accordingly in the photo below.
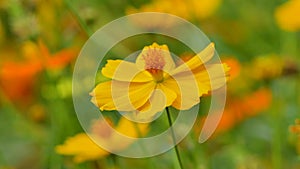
(154, 63)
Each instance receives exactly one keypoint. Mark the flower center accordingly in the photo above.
(154, 63)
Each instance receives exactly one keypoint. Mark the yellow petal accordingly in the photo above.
(168, 93)
(122, 96)
(200, 79)
(160, 98)
(184, 85)
(125, 71)
(102, 96)
(196, 61)
(157, 52)
(82, 147)
(211, 78)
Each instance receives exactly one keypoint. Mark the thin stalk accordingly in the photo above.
(89, 32)
(78, 19)
(173, 138)
(114, 161)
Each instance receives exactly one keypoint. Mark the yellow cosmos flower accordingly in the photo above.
(188, 9)
(152, 82)
(84, 148)
(287, 15)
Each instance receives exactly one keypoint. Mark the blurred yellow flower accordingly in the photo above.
(188, 9)
(153, 86)
(287, 15)
(266, 67)
(84, 148)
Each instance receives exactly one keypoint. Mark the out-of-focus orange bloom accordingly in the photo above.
(238, 110)
(40, 53)
(57, 60)
(296, 130)
(235, 67)
(17, 78)
(287, 15)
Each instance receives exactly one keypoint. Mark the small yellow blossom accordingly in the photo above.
(84, 148)
(287, 15)
(266, 67)
(188, 9)
(154, 82)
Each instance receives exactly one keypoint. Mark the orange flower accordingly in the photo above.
(17, 79)
(235, 67)
(237, 110)
(58, 60)
(296, 130)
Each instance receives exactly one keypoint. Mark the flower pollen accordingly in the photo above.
(154, 62)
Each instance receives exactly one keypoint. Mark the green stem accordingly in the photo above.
(89, 32)
(173, 138)
(113, 160)
(78, 19)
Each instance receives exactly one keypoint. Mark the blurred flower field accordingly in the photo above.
(258, 42)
